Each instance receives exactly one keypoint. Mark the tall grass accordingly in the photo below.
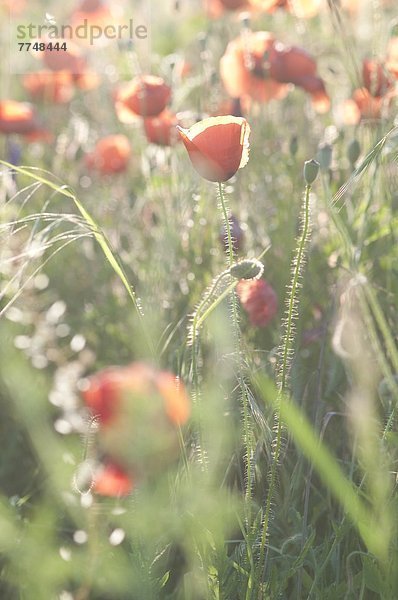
(285, 481)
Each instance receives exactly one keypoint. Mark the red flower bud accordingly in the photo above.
(258, 299)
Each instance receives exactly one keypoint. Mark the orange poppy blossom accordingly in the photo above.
(300, 8)
(145, 96)
(109, 390)
(290, 64)
(376, 95)
(161, 130)
(303, 9)
(259, 300)
(139, 409)
(49, 86)
(70, 59)
(216, 8)
(111, 155)
(112, 480)
(18, 117)
(244, 68)
(86, 80)
(217, 146)
(257, 65)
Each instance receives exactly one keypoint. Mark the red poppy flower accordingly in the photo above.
(161, 130)
(49, 86)
(289, 64)
(111, 388)
(17, 117)
(270, 5)
(217, 146)
(146, 95)
(304, 9)
(244, 68)
(112, 480)
(139, 409)
(258, 299)
(86, 80)
(70, 59)
(111, 155)
(215, 8)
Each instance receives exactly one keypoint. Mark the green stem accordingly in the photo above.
(285, 364)
(247, 426)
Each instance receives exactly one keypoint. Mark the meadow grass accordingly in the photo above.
(285, 481)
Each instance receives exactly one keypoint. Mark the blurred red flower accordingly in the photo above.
(111, 155)
(376, 95)
(259, 300)
(71, 59)
(49, 86)
(244, 68)
(110, 389)
(146, 96)
(289, 64)
(112, 480)
(258, 66)
(161, 129)
(301, 8)
(139, 409)
(217, 146)
(18, 117)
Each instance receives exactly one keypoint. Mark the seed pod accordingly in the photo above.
(247, 269)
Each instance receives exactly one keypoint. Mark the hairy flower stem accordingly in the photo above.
(247, 425)
(286, 353)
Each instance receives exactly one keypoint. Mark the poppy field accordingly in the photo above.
(198, 300)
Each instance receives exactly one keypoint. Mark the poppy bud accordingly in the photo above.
(258, 299)
(353, 152)
(247, 269)
(311, 170)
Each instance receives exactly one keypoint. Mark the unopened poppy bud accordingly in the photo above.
(247, 269)
(311, 170)
(324, 156)
(293, 146)
(353, 151)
